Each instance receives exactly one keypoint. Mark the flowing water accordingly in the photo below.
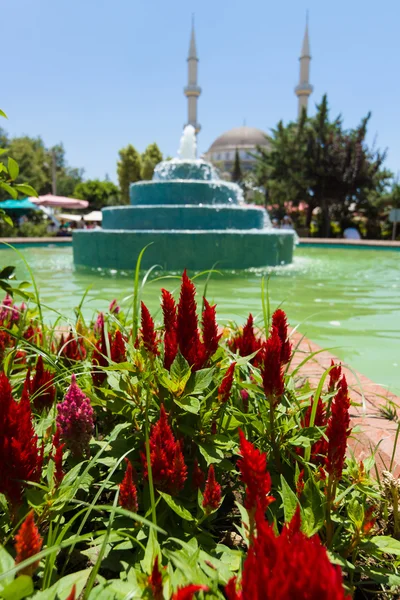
(345, 300)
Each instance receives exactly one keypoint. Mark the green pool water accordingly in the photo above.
(345, 300)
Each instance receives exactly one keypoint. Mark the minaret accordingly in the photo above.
(192, 91)
(304, 89)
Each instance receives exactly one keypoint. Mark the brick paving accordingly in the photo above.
(368, 397)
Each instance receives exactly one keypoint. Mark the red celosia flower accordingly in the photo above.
(210, 330)
(224, 390)
(99, 359)
(72, 349)
(187, 592)
(369, 520)
(155, 581)
(28, 543)
(338, 431)
(72, 595)
(58, 458)
(247, 343)
(147, 331)
(198, 475)
(187, 331)
(167, 463)
(42, 388)
(212, 492)
(170, 336)
(300, 483)
(334, 375)
(118, 352)
(287, 567)
(20, 456)
(279, 321)
(254, 474)
(5, 343)
(127, 490)
(320, 447)
(272, 371)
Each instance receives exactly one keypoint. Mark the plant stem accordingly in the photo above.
(148, 458)
(395, 495)
(275, 446)
(331, 492)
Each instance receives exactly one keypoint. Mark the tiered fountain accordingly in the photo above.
(194, 219)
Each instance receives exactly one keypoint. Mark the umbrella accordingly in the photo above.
(62, 201)
(25, 204)
(95, 215)
(66, 217)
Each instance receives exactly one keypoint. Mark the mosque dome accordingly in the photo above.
(243, 139)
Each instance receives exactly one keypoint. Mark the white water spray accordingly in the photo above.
(188, 145)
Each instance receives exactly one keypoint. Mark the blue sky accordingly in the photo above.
(99, 74)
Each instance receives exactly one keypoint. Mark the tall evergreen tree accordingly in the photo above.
(150, 158)
(128, 169)
(237, 170)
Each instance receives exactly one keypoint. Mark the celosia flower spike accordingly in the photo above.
(279, 321)
(170, 336)
(42, 388)
(272, 371)
(224, 390)
(148, 332)
(72, 595)
(75, 420)
(118, 352)
(198, 475)
(187, 331)
(155, 581)
(127, 490)
(254, 474)
(114, 308)
(28, 543)
(210, 329)
(212, 492)
(334, 376)
(338, 431)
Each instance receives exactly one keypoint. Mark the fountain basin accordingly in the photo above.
(177, 249)
(193, 217)
(183, 191)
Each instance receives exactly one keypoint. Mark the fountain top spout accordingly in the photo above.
(188, 145)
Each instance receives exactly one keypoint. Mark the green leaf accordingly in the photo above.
(306, 437)
(3, 114)
(210, 452)
(289, 500)
(189, 404)
(61, 589)
(313, 513)
(20, 588)
(6, 563)
(202, 380)
(7, 272)
(26, 189)
(180, 370)
(355, 512)
(13, 168)
(10, 190)
(177, 506)
(386, 544)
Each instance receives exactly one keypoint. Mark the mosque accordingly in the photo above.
(243, 139)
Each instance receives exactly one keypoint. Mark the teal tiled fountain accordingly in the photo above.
(191, 218)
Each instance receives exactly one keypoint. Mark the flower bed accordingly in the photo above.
(179, 461)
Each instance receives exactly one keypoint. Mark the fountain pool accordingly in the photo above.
(344, 299)
(191, 218)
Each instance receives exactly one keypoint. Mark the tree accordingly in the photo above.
(98, 193)
(128, 169)
(316, 161)
(150, 158)
(237, 170)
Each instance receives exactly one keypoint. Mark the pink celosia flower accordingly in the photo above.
(98, 327)
(75, 420)
(114, 308)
